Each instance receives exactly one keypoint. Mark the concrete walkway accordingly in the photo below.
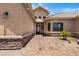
(44, 45)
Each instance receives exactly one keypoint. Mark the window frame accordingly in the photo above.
(35, 17)
(44, 17)
(39, 17)
(49, 26)
(56, 28)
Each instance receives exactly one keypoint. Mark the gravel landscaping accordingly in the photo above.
(46, 46)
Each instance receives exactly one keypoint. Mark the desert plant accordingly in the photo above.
(65, 34)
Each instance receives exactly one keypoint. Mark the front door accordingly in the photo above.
(39, 28)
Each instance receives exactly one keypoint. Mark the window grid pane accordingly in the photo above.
(57, 26)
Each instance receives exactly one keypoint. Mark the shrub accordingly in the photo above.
(65, 35)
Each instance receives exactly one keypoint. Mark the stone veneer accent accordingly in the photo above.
(14, 43)
(27, 38)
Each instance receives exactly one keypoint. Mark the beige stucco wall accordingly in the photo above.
(76, 27)
(18, 22)
(41, 13)
(67, 25)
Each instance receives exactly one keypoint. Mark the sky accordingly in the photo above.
(54, 8)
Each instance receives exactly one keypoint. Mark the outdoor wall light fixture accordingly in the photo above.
(5, 14)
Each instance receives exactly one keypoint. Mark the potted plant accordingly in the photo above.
(65, 34)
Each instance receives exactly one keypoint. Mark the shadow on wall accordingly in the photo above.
(17, 22)
(13, 27)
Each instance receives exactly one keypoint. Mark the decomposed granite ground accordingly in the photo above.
(44, 46)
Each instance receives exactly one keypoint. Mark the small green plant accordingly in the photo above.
(65, 34)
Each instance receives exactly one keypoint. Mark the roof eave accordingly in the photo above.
(65, 18)
(30, 10)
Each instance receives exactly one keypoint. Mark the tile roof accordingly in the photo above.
(61, 16)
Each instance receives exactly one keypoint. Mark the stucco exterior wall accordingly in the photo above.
(76, 27)
(68, 25)
(40, 13)
(18, 21)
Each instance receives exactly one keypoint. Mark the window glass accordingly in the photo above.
(48, 26)
(44, 17)
(39, 16)
(57, 26)
(35, 17)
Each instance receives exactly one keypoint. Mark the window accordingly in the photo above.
(48, 26)
(35, 17)
(39, 16)
(44, 17)
(57, 26)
